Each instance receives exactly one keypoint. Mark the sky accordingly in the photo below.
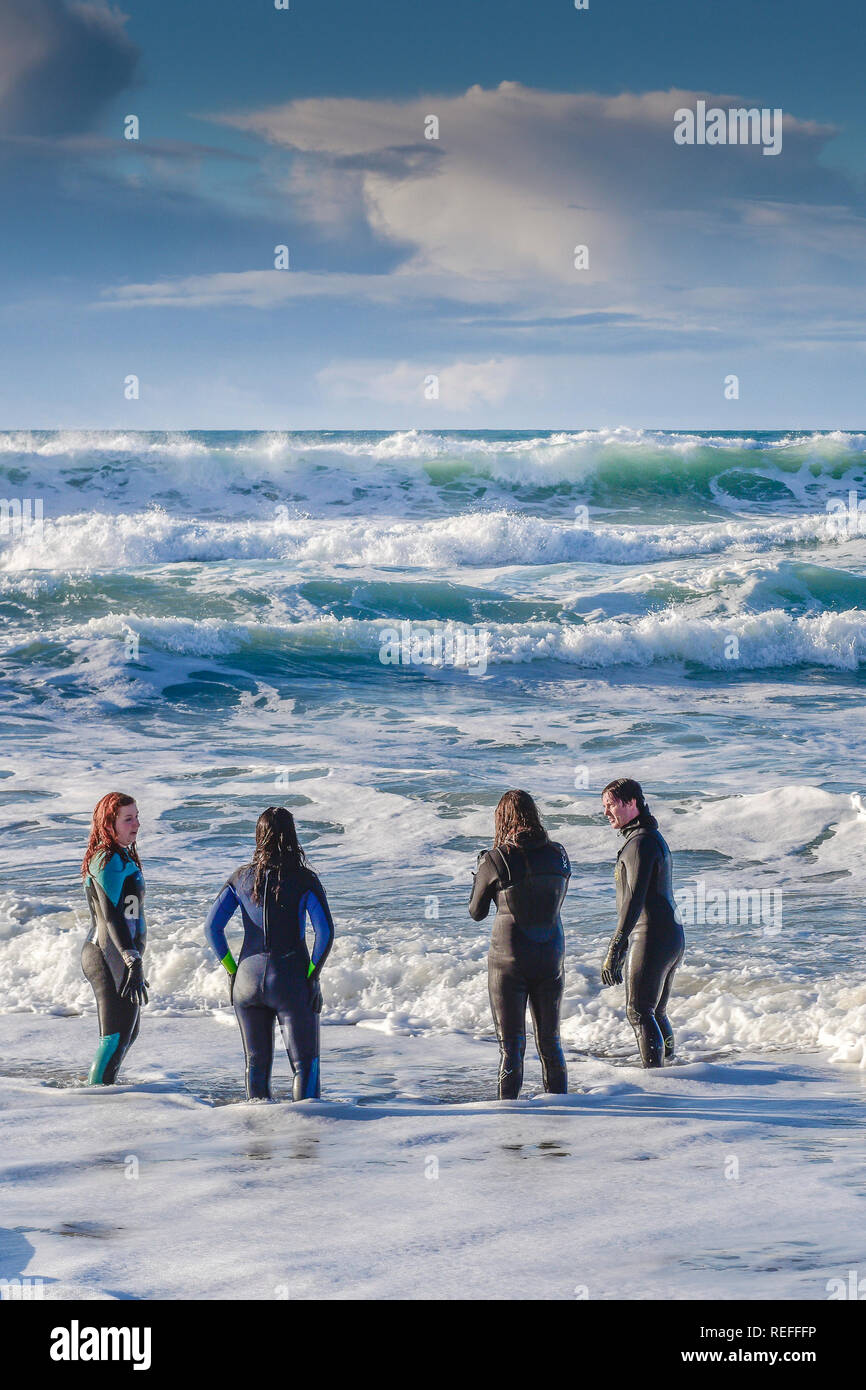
(431, 282)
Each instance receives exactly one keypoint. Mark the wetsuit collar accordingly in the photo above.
(645, 820)
(632, 825)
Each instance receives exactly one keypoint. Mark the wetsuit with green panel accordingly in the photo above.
(118, 933)
(276, 978)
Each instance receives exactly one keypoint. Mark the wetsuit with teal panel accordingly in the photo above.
(118, 933)
(276, 978)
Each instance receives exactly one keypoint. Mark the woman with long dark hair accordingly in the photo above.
(111, 957)
(526, 874)
(276, 977)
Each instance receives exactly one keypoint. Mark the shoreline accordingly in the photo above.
(735, 1179)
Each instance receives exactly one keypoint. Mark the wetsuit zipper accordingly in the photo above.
(265, 910)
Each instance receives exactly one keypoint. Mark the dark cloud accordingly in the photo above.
(398, 162)
(60, 64)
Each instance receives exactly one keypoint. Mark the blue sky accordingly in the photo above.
(413, 257)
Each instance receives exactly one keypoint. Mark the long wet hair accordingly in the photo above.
(626, 789)
(103, 836)
(516, 820)
(277, 849)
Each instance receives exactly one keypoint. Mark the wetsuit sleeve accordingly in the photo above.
(117, 883)
(227, 902)
(638, 859)
(314, 904)
(484, 884)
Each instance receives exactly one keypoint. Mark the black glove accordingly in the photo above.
(611, 970)
(315, 988)
(134, 985)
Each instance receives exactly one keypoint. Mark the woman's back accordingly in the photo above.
(276, 922)
(528, 881)
(526, 874)
(276, 977)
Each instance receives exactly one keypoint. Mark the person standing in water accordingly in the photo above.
(526, 874)
(111, 957)
(276, 976)
(648, 943)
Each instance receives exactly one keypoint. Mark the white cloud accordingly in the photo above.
(461, 385)
(489, 214)
(518, 176)
(262, 289)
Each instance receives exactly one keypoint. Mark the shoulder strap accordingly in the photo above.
(505, 872)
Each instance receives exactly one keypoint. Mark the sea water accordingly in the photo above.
(197, 619)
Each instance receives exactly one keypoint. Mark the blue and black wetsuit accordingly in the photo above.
(528, 881)
(276, 975)
(115, 895)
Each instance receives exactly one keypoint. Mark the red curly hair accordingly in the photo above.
(102, 832)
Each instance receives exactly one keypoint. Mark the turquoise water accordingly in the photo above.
(199, 619)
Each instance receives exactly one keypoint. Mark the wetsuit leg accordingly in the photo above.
(256, 1022)
(545, 999)
(133, 1035)
(509, 992)
(302, 1046)
(257, 1032)
(662, 1019)
(118, 1018)
(288, 992)
(650, 965)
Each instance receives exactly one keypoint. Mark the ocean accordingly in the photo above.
(199, 619)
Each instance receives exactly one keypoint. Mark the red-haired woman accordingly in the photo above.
(112, 954)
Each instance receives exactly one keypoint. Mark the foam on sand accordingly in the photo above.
(731, 1180)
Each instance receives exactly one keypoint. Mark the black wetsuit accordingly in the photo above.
(528, 882)
(276, 977)
(117, 936)
(649, 940)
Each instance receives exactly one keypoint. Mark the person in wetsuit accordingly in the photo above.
(526, 874)
(648, 943)
(111, 957)
(276, 977)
